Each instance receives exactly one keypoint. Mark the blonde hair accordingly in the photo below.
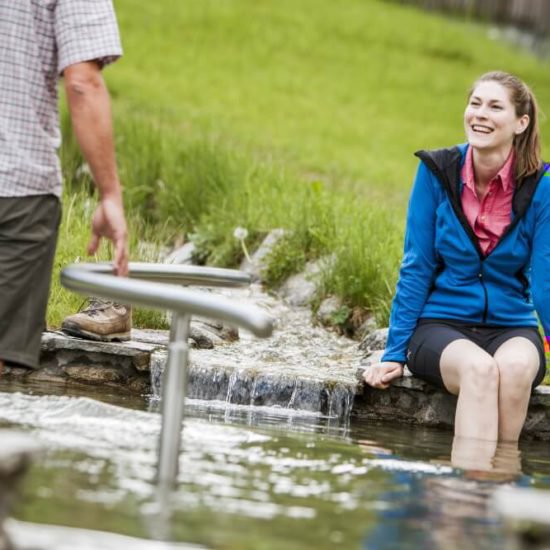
(527, 144)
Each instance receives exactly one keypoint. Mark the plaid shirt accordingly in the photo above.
(38, 40)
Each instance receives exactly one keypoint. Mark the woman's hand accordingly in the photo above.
(380, 375)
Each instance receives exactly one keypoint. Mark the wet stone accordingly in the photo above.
(328, 309)
(208, 384)
(157, 364)
(47, 374)
(240, 388)
(271, 390)
(308, 396)
(341, 401)
(94, 375)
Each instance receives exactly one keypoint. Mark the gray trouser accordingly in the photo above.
(28, 237)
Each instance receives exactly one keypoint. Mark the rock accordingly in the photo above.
(207, 333)
(300, 289)
(65, 348)
(48, 374)
(124, 365)
(150, 336)
(203, 334)
(366, 328)
(257, 263)
(91, 374)
(15, 372)
(157, 364)
(328, 309)
(183, 255)
(375, 340)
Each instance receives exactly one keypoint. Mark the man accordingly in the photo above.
(40, 41)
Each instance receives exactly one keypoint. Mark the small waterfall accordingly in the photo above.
(340, 402)
(253, 391)
(293, 396)
(232, 382)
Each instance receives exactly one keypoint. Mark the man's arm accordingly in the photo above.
(90, 109)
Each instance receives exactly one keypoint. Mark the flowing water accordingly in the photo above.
(250, 478)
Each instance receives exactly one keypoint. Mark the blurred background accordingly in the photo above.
(296, 114)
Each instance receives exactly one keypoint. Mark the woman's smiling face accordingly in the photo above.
(490, 118)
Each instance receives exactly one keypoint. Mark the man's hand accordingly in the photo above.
(108, 221)
(90, 108)
(380, 375)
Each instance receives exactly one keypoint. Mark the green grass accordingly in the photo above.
(73, 239)
(347, 90)
(302, 115)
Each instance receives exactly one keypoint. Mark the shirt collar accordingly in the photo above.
(505, 175)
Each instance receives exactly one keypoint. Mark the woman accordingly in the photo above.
(476, 266)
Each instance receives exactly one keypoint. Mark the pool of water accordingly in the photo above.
(256, 478)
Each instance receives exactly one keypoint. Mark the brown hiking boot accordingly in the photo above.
(100, 320)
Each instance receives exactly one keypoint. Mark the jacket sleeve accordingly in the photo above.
(418, 266)
(540, 259)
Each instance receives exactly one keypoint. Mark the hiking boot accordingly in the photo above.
(100, 320)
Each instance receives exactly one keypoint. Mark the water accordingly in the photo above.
(252, 477)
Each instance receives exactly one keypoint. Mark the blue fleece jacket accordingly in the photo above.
(445, 275)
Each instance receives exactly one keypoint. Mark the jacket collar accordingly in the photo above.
(446, 165)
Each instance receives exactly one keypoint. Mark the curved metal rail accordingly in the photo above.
(177, 274)
(156, 288)
(169, 297)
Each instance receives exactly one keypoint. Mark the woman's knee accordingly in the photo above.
(517, 371)
(481, 375)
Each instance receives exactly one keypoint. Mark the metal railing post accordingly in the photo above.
(174, 381)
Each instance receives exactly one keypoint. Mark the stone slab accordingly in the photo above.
(225, 381)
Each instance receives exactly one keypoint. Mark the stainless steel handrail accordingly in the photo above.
(97, 280)
(168, 297)
(177, 274)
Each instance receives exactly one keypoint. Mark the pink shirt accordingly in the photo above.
(490, 216)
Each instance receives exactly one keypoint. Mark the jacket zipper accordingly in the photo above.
(486, 308)
(471, 235)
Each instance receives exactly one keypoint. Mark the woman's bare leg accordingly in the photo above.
(473, 375)
(473, 453)
(518, 363)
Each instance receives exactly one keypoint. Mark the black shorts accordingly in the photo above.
(28, 236)
(432, 336)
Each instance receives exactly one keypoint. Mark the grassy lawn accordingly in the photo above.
(301, 115)
(346, 90)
